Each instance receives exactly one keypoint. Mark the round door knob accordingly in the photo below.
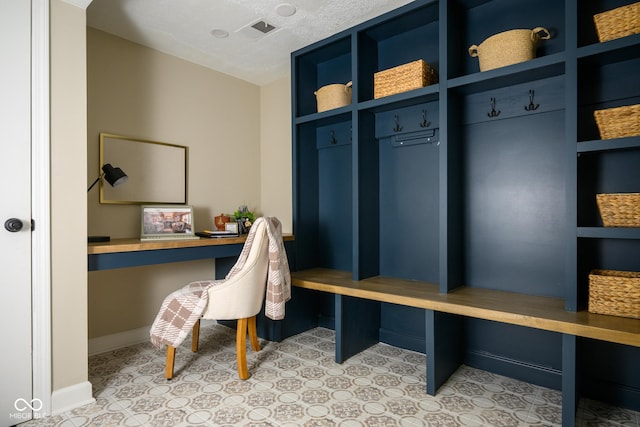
(13, 225)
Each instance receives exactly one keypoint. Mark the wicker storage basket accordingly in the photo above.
(620, 22)
(619, 209)
(614, 292)
(333, 96)
(618, 122)
(509, 47)
(403, 78)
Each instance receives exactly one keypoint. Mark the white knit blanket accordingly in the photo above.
(181, 309)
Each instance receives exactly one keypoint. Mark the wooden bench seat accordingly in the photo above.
(546, 313)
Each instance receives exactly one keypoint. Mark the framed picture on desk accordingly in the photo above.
(232, 227)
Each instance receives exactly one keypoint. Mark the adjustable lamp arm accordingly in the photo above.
(95, 182)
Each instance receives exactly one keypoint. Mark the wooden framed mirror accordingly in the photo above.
(157, 171)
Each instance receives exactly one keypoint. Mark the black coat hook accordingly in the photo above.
(424, 123)
(531, 106)
(397, 127)
(493, 112)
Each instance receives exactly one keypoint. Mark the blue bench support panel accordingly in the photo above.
(357, 325)
(570, 395)
(447, 330)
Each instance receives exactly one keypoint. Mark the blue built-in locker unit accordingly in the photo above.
(485, 179)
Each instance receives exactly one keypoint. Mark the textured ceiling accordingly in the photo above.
(182, 28)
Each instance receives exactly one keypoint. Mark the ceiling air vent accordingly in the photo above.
(263, 27)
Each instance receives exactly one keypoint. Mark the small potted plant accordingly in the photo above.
(245, 218)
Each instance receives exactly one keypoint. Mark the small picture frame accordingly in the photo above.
(231, 226)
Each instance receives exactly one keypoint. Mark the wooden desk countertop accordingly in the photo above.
(134, 244)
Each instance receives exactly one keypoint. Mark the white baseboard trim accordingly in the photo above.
(72, 397)
(115, 341)
(124, 339)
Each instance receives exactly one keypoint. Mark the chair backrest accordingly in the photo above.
(242, 295)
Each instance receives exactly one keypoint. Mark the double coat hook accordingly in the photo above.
(424, 123)
(531, 106)
(493, 112)
(397, 127)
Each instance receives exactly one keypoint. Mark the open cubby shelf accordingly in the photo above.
(481, 184)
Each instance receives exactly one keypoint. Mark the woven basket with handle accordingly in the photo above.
(333, 96)
(509, 47)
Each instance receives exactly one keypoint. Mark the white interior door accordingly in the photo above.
(16, 395)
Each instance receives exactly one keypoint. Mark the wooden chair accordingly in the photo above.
(240, 298)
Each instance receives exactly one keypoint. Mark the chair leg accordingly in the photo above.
(171, 357)
(171, 351)
(195, 335)
(253, 334)
(245, 325)
(241, 348)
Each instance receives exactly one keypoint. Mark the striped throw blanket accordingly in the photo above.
(181, 309)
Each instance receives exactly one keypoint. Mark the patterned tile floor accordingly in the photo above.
(297, 383)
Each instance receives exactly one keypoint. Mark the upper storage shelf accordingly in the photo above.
(407, 37)
(536, 69)
(609, 144)
(318, 67)
(472, 22)
(617, 50)
(587, 33)
(436, 31)
(602, 86)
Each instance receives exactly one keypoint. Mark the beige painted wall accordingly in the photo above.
(139, 92)
(68, 206)
(275, 151)
(239, 139)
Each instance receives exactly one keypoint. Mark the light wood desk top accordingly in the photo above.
(134, 244)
